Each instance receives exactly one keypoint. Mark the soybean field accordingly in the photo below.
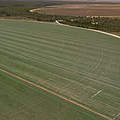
(55, 72)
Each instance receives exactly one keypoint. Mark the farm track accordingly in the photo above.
(88, 29)
(58, 95)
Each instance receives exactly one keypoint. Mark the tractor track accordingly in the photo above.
(56, 94)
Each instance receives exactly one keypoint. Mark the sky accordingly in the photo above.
(72, 0)
(87, 0)
(93, 0)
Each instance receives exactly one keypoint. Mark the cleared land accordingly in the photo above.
(112, 10)
(84, 67)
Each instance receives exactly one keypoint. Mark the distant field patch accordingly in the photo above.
(112, 10)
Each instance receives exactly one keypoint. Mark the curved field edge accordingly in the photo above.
(106, 33)
(57, 21)
(20, 43)
(20, 100)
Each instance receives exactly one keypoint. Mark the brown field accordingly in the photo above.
(116, 33)
(82, 10)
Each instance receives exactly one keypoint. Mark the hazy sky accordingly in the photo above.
(91, 0)
(73, 0)
(96, 0)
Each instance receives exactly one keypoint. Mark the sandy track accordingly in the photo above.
(56, 94)
(88, 29)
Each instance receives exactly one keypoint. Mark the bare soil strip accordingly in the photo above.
(96, 94)
(56, 94)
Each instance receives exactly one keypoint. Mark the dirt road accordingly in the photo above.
(56, 94)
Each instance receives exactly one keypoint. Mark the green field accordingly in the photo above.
(79, 64)
(21, 101)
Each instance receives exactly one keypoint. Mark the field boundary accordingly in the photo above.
(56, 94)
(57, 22)
(106, 33)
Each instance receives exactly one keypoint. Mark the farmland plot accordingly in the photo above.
(21, 101)
(108, 10)
(79, 64)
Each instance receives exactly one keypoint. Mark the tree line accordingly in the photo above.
(22, 10)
